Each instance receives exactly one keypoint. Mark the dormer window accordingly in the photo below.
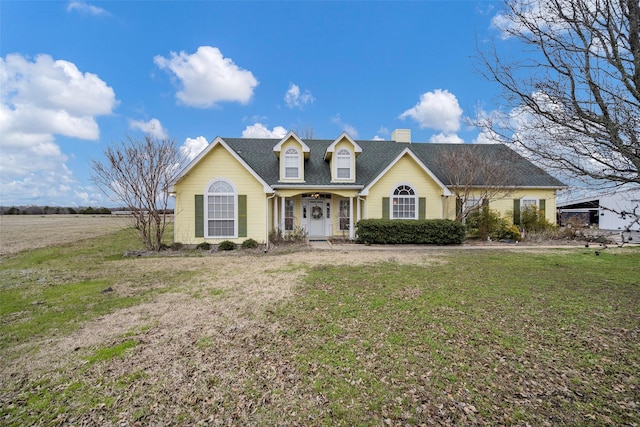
(343, 164)
(291, 164)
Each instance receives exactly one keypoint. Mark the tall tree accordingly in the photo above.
(574, 100)
(136, 173)
(476, 176)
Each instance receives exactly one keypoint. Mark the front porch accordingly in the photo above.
(320, 215)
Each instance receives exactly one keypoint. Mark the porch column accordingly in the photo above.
(282, 213)
(275, 213)
(351, 234)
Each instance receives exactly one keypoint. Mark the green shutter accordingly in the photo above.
(422, 208)
(541, 209)
(516, 211)
(242, 216)
(485, 202)
(199, 215)
(385, 208)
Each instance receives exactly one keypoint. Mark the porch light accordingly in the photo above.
(315, 195)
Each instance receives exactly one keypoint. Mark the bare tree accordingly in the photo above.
(136, 172)
(304, 133)
(476, 175)
(574, 101)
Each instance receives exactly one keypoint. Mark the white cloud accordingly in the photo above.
(208, 78)
(378, 138)
(296, 99)
(193, 146)
(38, 100)
(351, 130)
(153, 128)
(437, 110)
(258, 130)
(83, 7)
(446, 138)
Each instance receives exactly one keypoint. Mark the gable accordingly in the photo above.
(407, 167)
(215, 160)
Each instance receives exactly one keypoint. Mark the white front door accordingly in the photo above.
(316, 217)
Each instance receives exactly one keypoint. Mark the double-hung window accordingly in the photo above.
(528, 203)
(288, 215)
(221, 209)
(292, 163)
(343, 214)
(404, 203)
(343, 164)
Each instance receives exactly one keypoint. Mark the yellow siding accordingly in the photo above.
(406, 171)
(218, 163)
(505, 206)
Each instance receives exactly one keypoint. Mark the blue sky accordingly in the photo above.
(76, 76)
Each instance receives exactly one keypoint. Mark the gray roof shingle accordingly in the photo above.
(377, 155)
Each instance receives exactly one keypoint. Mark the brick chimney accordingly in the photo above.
(401, 135)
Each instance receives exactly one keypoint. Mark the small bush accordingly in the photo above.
(177, 246)
(205, 246)
(249, 244)
(297, 235)
(488, 223)
(534, 221)
(226, 245)
(430, 232)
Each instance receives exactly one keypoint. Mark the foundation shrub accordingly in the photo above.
(249, 244)
(226, 245)
(429, 232)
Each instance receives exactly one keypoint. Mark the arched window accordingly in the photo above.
(343, 164)
(291, 163)
(403, 203)
(221, 209)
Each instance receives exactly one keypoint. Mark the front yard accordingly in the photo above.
(303, 337)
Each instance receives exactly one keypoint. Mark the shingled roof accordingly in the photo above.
(377, 155)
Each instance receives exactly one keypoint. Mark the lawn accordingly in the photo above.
(300, 337)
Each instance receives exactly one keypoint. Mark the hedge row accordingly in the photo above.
(426, 232)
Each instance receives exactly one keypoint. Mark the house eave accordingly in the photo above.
(316, 187)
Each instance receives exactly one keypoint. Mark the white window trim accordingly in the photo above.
(337, 156)
(206, 209)
(348, 217)
(298, 166)
(535, 201)
(415, 200)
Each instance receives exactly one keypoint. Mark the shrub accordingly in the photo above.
(177, 246)
(226, 245)
(431, 231)
(297, 235)
(249, 244)
(485, 223)
(205, 246)
(534, 221)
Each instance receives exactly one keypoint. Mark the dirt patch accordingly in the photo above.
(22, 232)
(198, 346)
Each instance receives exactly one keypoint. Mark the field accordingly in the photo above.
(304, 337)
(22, 232)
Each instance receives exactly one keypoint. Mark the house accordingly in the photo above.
(617, 210)
(240, 188)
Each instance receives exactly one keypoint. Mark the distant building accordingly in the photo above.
(613, 211)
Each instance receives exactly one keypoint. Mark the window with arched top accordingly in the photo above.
(292, 163)
(343, 164)
(403, 203)
(221, 209)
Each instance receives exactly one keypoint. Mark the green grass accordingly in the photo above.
(480, 337)
(52, 291)
(521, 338)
